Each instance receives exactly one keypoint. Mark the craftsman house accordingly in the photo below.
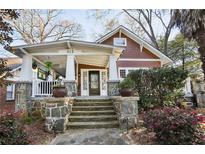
(87, 68)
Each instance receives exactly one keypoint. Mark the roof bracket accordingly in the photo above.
(141, 46)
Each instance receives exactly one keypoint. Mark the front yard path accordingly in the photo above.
(91, 137)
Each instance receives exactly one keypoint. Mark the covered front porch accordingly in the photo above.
(86, 69)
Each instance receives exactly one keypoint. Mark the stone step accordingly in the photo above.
(109, 124)
(92, 108)
(92, 100)
(107, 103)
(92, 113)
(92, 118)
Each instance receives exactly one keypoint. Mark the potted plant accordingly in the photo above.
(126, 87)
(34, 65)
(48, 67)
(59, 90)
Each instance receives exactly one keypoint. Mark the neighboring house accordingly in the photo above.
(88, 68)
(7, 93)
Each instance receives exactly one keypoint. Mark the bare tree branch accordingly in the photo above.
(36, 26)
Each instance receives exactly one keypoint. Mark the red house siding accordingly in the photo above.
(138, 64)
(5, 106)
(132, 51)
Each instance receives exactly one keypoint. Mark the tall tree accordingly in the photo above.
(191, 23)
(36, 26)
(145, 19)
(180, 50)
(143, 22)
(6, 33)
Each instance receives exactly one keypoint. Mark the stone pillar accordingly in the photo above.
(23, 90)
(71, 88)
(127, 111)
(57, 111)
(113, 88)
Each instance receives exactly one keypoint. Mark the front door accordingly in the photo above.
(94, 83)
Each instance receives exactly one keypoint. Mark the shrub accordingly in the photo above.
(174, 126)
(10, 132)
(127, 83)
(158, 86)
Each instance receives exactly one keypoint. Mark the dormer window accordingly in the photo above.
(120, 42)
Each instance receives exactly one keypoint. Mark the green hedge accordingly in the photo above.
(158, 86)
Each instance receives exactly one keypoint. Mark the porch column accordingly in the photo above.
(113, 82)
(70, 68)
(26, 68)
(23, 87)
(70, 82)
(113, 75)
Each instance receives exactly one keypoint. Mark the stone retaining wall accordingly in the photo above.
(127, 111)
(55, 111)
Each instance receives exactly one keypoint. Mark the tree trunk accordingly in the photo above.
(201, 49)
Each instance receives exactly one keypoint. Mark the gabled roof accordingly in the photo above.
(137, 39)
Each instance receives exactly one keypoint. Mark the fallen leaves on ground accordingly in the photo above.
(37, 134)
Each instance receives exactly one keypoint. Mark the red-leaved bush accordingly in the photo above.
(10, 131)
(174, 126)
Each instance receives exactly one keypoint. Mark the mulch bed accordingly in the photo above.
(37, 134)
(140, 136)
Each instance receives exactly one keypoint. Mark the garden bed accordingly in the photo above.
(37, 134)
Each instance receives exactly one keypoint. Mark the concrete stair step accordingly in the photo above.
(92, 100)
(92, 113)
(93, 103)
(109, 124)
(91, 108)
(92, 118)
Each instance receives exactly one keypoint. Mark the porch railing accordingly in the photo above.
(43, 88)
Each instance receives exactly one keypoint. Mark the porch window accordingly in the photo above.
(122, 73)
(120, 42)
(10, 92)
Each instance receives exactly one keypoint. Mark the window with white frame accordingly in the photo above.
(10, 92)
(120, 42)
(122, 73)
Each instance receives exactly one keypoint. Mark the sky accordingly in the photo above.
(89, 23)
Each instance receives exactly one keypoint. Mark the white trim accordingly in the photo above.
(15, 69)
(86, 93)
(137, 39)
(64, 54)
(94, 44)
(136, 59)
(12, 90)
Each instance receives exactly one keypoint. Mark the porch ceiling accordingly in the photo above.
(93, 60)
(59, 62)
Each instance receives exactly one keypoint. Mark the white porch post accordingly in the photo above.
(113, 83)
(70, 82)
(26, 68)
(70, 68)
(113, 68)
